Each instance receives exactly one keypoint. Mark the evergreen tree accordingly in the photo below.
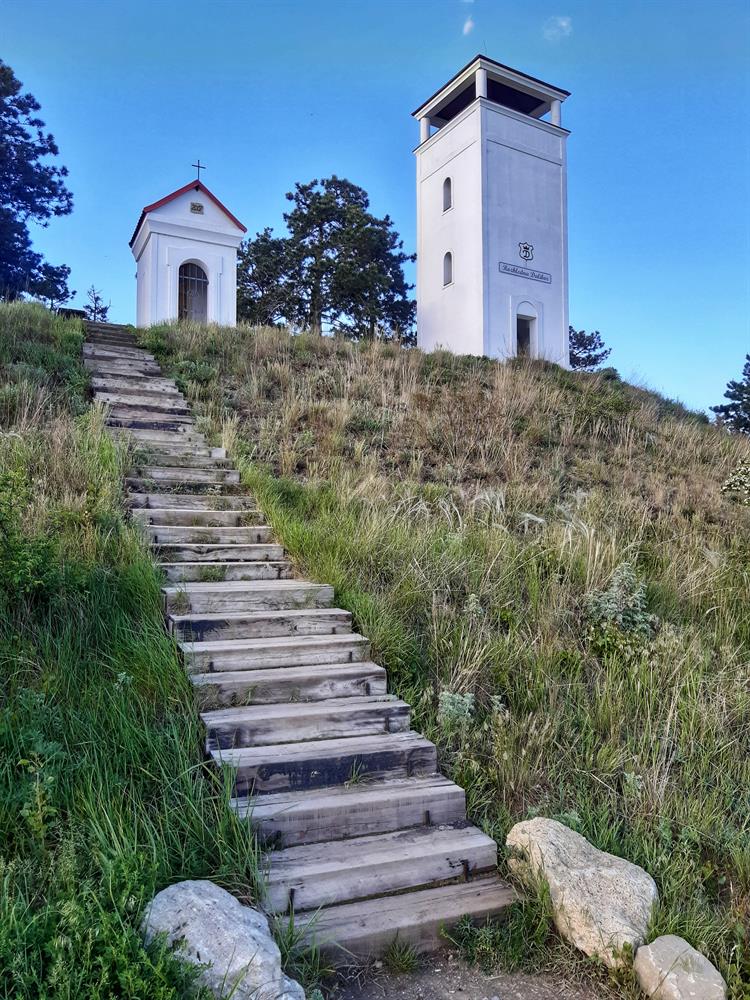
(51, 285)
(587, 350)
(95, 309)
(736, 413)
(263, 295)
(30, 187)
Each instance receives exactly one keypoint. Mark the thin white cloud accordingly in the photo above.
(468, 25)
(557, 28)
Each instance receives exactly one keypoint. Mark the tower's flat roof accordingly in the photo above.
(506, 73)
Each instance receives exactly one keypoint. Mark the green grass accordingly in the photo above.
(476, 517)
(104, 794)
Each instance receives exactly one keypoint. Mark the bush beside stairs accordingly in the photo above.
(366, 841)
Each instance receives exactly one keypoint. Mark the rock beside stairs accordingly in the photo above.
(670, 969)
(209, 927)
(602, 904)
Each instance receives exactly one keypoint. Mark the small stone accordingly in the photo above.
(206, 925)
(671, 969)
(601, 903)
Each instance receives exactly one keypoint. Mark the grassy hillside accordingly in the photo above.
(549, 570)
(103, 794)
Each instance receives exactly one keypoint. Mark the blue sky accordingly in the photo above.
(268, 93)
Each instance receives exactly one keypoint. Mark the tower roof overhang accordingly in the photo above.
(192, 186)
(506, 86)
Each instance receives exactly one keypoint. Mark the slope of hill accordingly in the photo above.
(102, 795)
(551, 574)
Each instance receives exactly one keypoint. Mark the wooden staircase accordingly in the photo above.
(366, 840)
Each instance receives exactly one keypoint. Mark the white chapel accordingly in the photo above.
(185, 246)
(492, 225)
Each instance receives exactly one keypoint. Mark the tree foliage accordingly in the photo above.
(587, 350)
(51, 285)
(736, 413)
(95, 309)
(31, 189)
(340, 267)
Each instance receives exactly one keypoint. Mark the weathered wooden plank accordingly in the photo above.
(186, 475)
(257, 625)
(182, 552)
(176, 572)
(323, 874)
(253, 534)
(362, 930)
(192, 501)
(262, 687)
(174, 517)
(308, 817)
(321, 763)
(279, 651)
(254, 725)
(260, 595)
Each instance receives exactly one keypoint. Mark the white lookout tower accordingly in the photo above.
(186, 249)
(492, 228)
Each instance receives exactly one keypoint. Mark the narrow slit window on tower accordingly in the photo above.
(447, 194)
(448, 269)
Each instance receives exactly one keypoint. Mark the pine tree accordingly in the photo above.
(95, 309)
(736, 413)
(587, 350)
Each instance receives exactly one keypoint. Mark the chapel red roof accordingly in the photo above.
(192, 186)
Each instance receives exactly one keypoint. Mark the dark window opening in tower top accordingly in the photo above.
(447, 194)
(448, 269)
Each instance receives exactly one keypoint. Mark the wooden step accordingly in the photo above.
(207, 571)
(169, 455)
(185, 475)
(119, 353)
(365, 930)
(143, 401)
(279, 651)
(156, 387)
(144, 415)
(185, 436)
(254, 725)
(147, 485)
(323, 874)
(172, 425)
(234, 596)
(200, 535)
(260, 624)
(145, 500)
(194, 517)
(309, 817)
(264, 687)
(321, 763)
(179, 552)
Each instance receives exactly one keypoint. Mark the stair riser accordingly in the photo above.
(151, 415)
(198, 663)
(292, 828)
(157, 519)
(121, 402)
(326, 889)
(191, 501)
(325, 773)
(381, 718)
(253, 535)
(206, 602)
(214, 691)
(208, 572)
(152, 389)
(101, 368)
(182, 437)
(213, 630)
(181, 474)
(225, 491)
(178, 553)
(172, 426)
(127, 355)
(170, 457)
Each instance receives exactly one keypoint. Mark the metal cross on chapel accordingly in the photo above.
(199, 167)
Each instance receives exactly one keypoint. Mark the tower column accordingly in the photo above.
(424, 129)
(555, 115)
(480, 82)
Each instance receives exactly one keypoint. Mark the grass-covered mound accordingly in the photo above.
(104, 797)
(548, 568)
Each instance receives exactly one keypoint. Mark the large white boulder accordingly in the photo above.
(601, 903)
(670, 969)
(210, 927)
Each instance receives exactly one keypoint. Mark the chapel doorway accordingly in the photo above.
(523, 336)
(193, 294)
